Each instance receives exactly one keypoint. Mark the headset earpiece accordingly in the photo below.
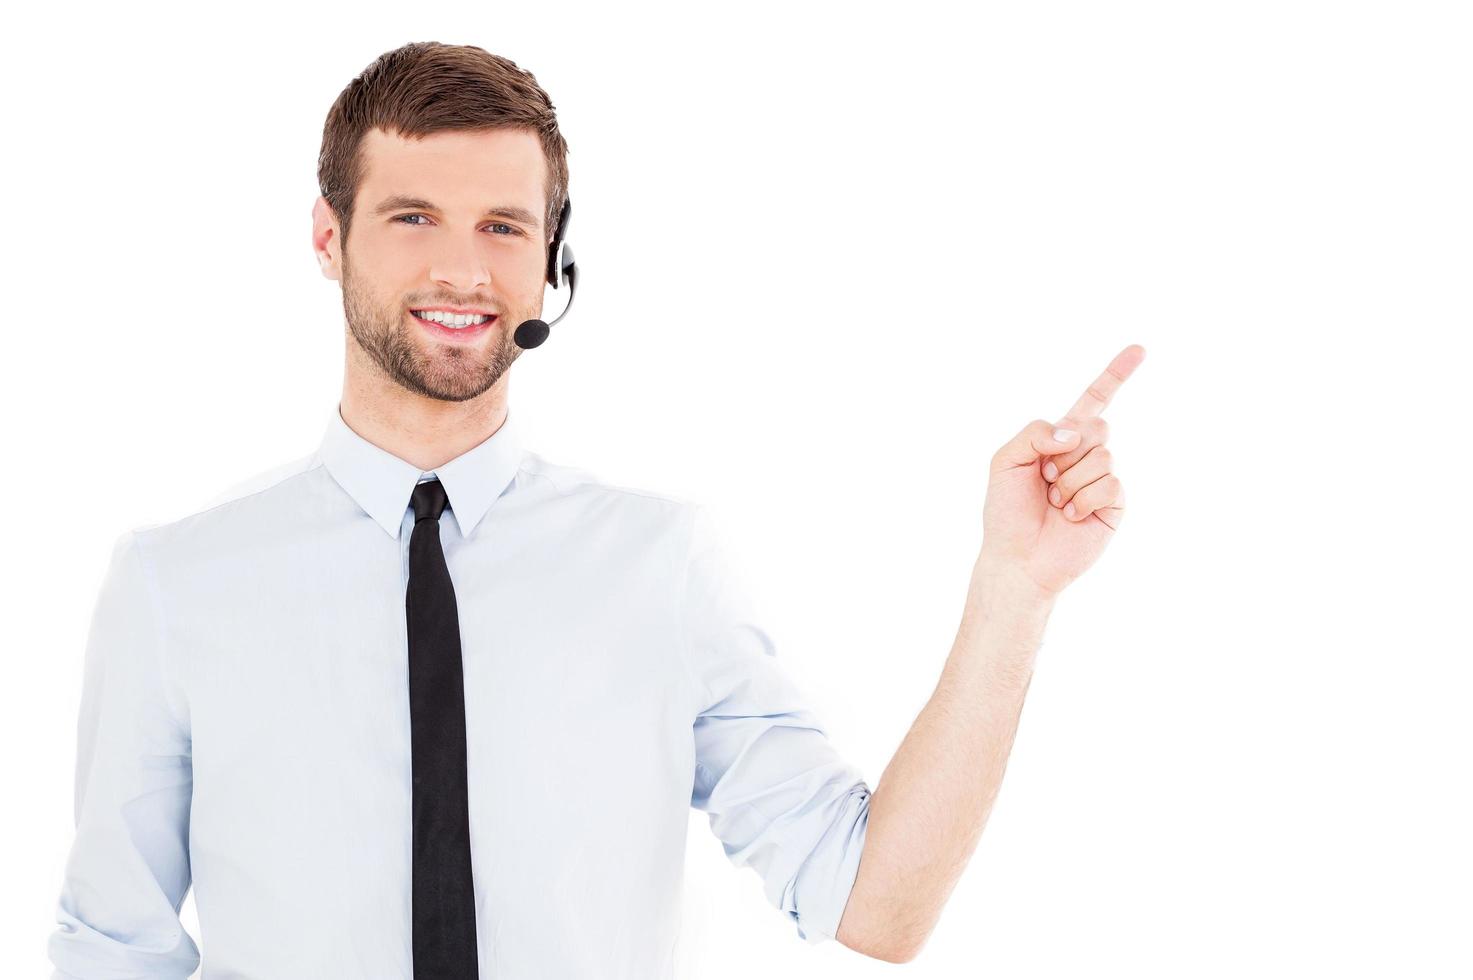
(555, 259)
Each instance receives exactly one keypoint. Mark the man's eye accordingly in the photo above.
(404, 219)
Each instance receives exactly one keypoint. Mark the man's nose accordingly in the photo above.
(462, 267)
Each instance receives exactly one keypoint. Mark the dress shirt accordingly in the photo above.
(244, 729)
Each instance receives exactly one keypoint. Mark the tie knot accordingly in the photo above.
(428, 500)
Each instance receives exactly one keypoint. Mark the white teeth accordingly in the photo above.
(452, 319)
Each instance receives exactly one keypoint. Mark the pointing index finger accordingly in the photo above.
(1098, 395)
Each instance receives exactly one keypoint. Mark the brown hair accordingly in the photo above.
(426, 87)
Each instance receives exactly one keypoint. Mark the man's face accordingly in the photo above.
(451, 220)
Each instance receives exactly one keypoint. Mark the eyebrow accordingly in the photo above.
(401, 202)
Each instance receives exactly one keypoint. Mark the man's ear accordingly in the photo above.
(326, 242)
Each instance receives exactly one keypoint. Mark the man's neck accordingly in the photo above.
(423, 431)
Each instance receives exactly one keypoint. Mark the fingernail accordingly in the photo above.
(1050, 471)
(1063, 435)
(1055, 495)
(1069, 510)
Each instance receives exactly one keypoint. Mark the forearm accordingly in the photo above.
(928, 810)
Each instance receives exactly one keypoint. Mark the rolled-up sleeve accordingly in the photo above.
(780, 798)
(128, 869)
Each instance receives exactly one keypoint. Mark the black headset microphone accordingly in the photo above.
(560, 267)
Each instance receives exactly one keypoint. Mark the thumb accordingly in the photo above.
(1036, 440)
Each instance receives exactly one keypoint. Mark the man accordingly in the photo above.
(425, 704)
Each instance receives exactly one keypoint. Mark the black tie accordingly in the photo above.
(444, 896)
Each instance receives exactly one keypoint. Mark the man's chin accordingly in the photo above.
(458, 375)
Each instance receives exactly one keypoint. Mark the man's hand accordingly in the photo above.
(1052, 507)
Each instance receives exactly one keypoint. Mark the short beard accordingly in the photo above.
(453, 375)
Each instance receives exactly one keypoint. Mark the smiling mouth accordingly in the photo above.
(471, 320)
(455, 333)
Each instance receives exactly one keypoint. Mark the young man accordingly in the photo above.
(425, 704)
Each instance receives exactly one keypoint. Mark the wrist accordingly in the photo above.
(1005, 610)
(1003, 587)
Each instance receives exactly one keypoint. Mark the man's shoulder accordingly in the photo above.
(216, 511)
(261, 481)
(583, 487)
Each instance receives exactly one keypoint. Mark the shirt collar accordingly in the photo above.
(382, 483)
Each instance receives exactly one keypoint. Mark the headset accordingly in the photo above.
(560, 267)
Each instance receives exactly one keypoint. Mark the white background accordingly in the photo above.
(832, 257)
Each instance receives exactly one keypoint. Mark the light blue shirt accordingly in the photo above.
(244, 728)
